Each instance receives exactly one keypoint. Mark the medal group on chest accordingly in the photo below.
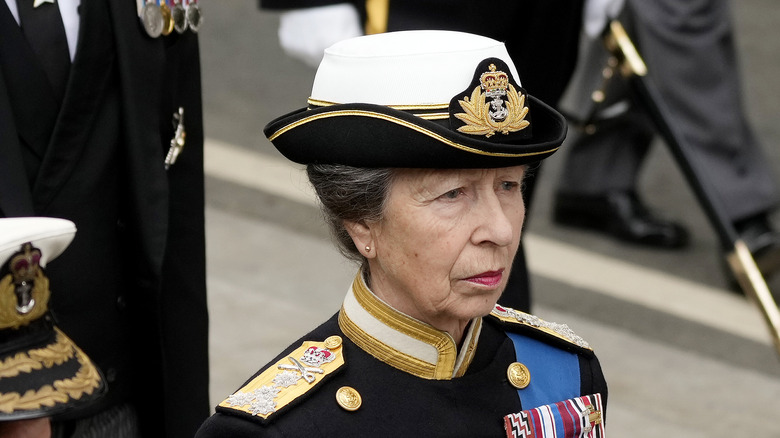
(162, 17)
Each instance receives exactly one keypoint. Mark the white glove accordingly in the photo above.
(306, 33)
(597, 13)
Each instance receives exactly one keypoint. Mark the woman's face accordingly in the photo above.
(443, 250)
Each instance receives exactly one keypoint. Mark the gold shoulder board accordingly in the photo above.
(290, 378)
(560, 331)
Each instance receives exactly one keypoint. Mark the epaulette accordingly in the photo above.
(287, 380)
(512, 317)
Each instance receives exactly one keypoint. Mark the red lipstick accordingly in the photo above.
(488, 278)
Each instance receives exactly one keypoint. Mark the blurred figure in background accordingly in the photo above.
(690, 53)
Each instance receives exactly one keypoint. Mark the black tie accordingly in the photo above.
(43, 28)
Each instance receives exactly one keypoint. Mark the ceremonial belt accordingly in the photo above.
(555, 373)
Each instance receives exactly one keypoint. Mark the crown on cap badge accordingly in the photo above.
(504, 113)
(495, 83)
(25, 264)
(24, 293)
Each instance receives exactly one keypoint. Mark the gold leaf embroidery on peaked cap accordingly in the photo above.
(26, 361)
(86, 381)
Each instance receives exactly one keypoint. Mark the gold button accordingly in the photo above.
(348, 398)
(518, 375)
(333, 342)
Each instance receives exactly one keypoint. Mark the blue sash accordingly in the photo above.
(555, 373)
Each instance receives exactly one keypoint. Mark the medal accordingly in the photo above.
(194, 17)
(178, 140)
(152, 19)
(165, 11)
(179, 16)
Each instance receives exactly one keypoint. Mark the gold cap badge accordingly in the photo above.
(504, 112)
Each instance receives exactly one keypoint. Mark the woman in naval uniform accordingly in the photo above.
(417, 144)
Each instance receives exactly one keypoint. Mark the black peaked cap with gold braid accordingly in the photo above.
(42, 372)
(418, 99)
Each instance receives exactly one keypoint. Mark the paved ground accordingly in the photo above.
(684, 357)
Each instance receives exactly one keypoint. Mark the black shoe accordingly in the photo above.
(619, 214)
(762, 241)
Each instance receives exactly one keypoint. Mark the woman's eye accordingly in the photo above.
(509, 185)
(452, 194)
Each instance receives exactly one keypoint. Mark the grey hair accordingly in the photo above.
(352, 194)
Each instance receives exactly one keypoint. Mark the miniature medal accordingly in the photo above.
(179, 16)
(194, 16)
(178, 140)
(165, 11)
(152, 19)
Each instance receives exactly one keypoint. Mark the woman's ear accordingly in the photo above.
(362, 237)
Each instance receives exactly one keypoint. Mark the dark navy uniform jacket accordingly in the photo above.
(399, 377)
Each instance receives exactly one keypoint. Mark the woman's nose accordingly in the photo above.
(496, 221)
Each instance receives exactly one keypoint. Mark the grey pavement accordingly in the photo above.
(684, 357)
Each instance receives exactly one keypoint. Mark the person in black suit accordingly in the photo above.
(87, 142)
(542, 34)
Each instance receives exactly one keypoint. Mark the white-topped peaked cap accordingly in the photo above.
(48, 374)
(423, 99)
(403, 68)
(50, 235)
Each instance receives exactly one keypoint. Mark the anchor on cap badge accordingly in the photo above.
(24, 293)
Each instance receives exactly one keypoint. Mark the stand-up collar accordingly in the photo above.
(401, 341)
